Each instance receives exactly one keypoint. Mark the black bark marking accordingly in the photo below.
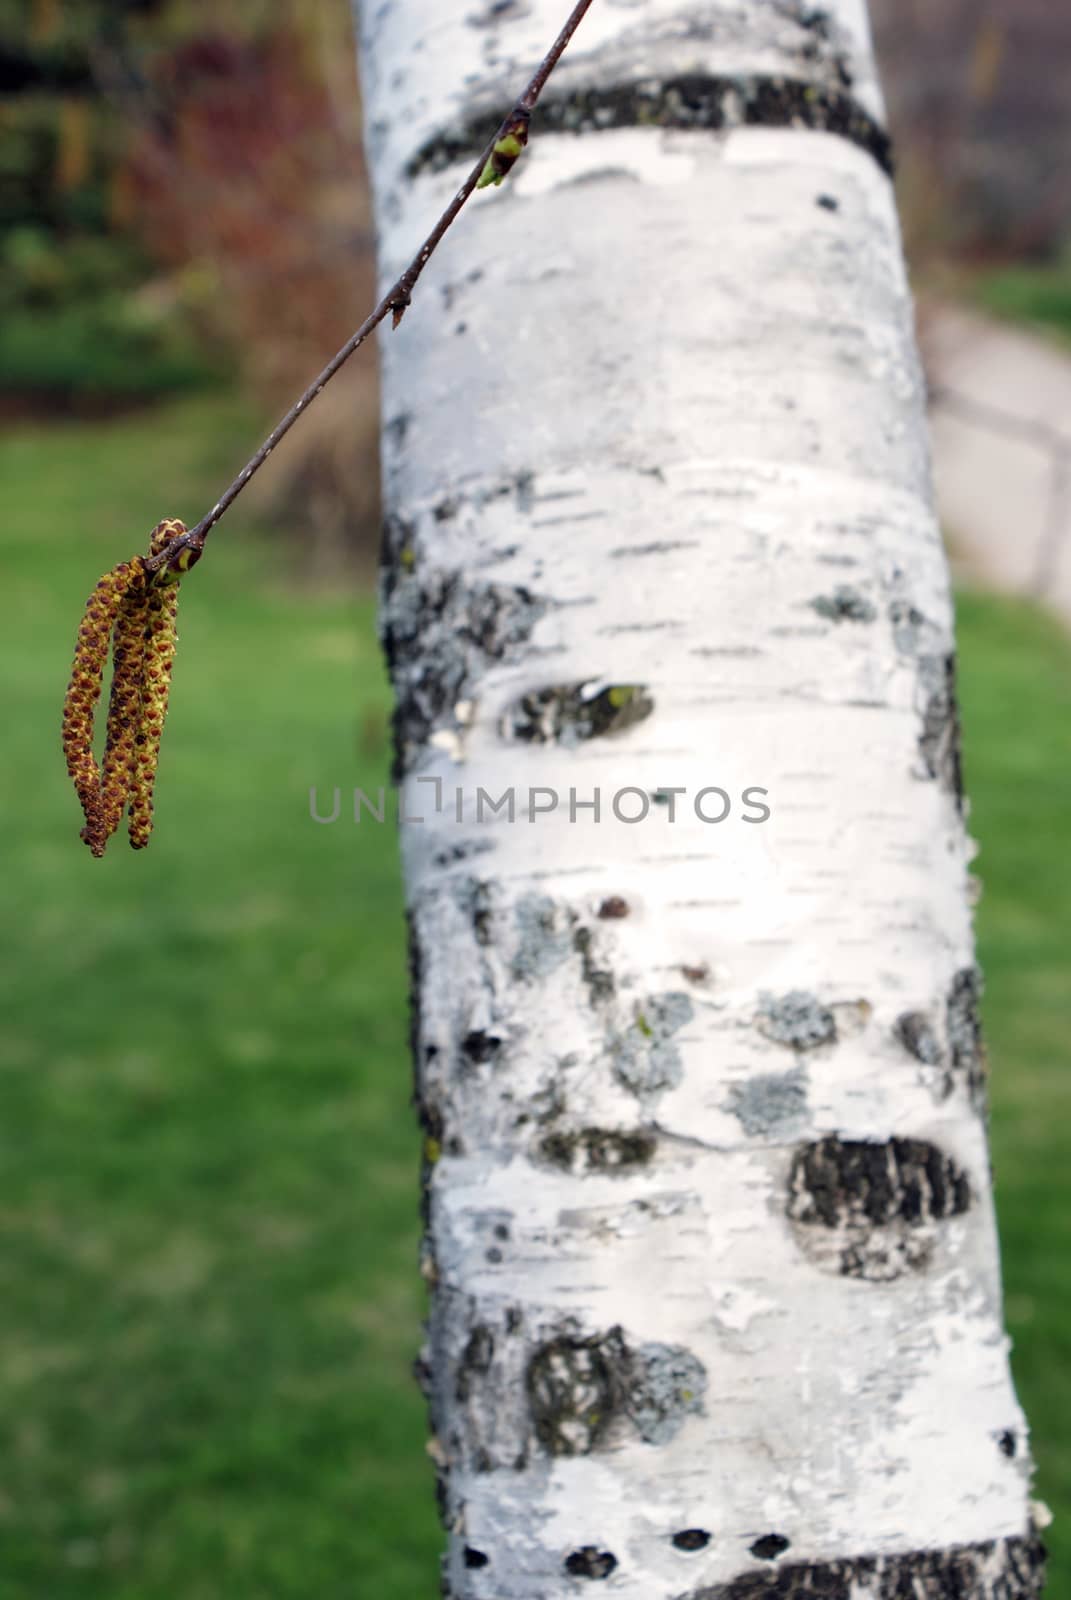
(475, 1558)
(997, 1569)
(769, 1546)
(422, 1374)
(428, 1112)
(579, 1388)
(796, 1019)
(463, 851)
(610, 1150)
(845, 604)
(590, 1562)
(1006, 1443)
(439, 634)
(691, 1539)
(395, 430)
(498, 11)
(869, 1209)
(919, 1038)
(613, 908)
(480, 1047)
(939, 741)
(692, 100)
(476, 1359)
(599, 981)
(965, 1032)
(574, 1391)
(571, 713)
(657, 547)
(827, 202)
(479, 894)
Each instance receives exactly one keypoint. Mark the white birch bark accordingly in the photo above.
(715, 1300)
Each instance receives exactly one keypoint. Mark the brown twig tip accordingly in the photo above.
(399, 306)
(134, 606)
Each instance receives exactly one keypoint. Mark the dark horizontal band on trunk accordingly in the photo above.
(687, 102)
(996, 1569)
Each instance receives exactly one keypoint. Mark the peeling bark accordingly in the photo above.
(714, 1289)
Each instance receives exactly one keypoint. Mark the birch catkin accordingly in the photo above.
(136, 609)
(83, 691)
(161, 639)
(124, 711)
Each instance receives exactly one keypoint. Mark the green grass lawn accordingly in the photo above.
(208, 1165)
(208, 1162)
(1037, 295)
(1015, 668)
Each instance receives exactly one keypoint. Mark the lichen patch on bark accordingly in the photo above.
(583, 1390)
(440, 631)
(797, 1019)
(571, 713)
(646, 1058)
(770, 1104)
(544, 937)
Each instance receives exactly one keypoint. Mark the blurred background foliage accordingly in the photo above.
(208, 1161)
(182, 202)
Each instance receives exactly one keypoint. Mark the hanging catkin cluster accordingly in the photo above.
(136, 609)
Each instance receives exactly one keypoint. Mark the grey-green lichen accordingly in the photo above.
(440, 631)
(796, 1019)
(771, 1104)
(544, 937)
(646, 1057)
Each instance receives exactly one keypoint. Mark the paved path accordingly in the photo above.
(1001, 425)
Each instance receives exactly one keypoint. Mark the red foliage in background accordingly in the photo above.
(244, 174)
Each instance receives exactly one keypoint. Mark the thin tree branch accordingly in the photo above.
(395, 301)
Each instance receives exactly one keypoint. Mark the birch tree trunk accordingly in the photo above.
(715, 1298)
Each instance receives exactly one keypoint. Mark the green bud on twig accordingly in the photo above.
(508, 146)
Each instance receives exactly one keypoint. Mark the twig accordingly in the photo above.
(395, 301)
